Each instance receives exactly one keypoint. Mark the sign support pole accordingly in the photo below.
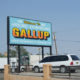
(50, 50)
(42, 52)
(18, 58)
(8, 57)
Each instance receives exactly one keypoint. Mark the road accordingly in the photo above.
(1, 76)
(74, 76)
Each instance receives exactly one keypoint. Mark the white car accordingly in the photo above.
(63, 63)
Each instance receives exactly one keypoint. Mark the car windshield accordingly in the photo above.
(46, 59)
(74, 57)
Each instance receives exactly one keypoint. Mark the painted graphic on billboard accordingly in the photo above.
(29, 32)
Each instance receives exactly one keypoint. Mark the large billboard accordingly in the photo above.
(29, 32)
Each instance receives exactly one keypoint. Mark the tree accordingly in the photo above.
(12, 53)
(22, 50)
(1, 55)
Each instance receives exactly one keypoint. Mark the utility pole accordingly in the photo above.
(54, 38)
(39, 54)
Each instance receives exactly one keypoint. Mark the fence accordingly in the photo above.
(46, 74)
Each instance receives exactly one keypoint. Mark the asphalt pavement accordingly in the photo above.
(74, 76)
(1, 76)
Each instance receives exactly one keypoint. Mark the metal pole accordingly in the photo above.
(18, 58)
(69, 73)
(50, 50)
(42, 52)
(8, 57)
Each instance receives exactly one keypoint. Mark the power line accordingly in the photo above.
(69, 40)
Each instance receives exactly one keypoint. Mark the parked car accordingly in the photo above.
(63, 63)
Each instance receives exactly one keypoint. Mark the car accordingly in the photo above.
(62, 63)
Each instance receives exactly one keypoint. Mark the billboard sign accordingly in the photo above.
(29, 32)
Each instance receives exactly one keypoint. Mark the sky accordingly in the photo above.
(63, 14)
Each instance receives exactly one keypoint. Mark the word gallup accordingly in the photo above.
(23, 33)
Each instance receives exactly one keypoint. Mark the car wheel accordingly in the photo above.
(22, 70)
(36, 69)
(63, 69)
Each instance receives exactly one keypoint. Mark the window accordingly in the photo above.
(58, 58)
(62, 58)
(74, 57)
(54, 59)
(45, 60)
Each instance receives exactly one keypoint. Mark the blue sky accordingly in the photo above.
(63, 14)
